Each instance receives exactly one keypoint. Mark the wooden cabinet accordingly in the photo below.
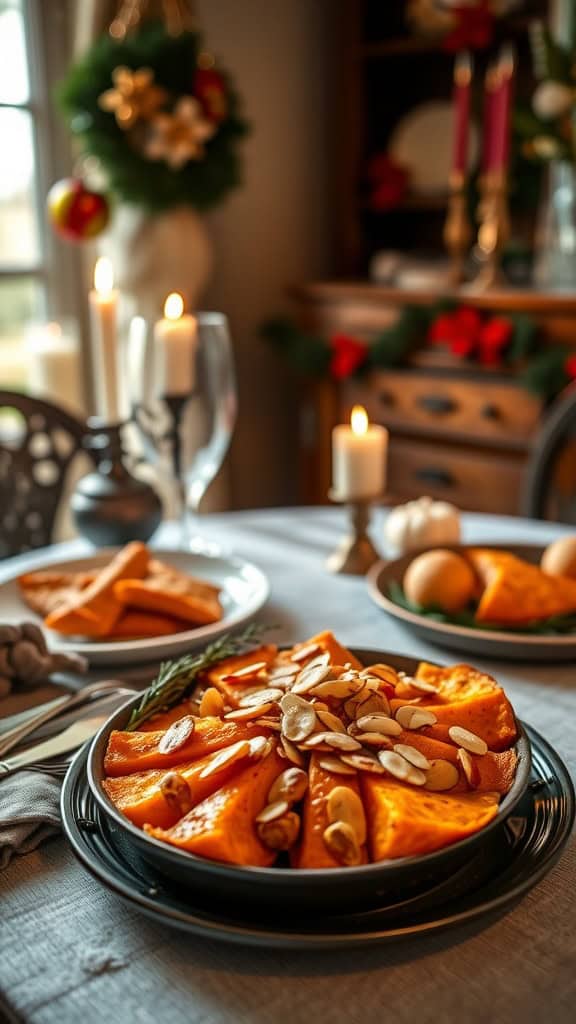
(457, 431)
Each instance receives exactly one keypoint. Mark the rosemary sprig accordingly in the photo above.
(176, 678)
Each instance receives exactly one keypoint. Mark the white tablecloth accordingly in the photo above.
(70, 952)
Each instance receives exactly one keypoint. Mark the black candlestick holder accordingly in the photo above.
(355, 553)
(110, 506)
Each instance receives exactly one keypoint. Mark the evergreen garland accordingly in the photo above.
(152, 184)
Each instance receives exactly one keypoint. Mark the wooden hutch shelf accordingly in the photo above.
(457, 431)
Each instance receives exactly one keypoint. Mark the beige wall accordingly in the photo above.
(274, 231)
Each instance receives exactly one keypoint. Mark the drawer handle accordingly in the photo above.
(437, 404)
(431, 475)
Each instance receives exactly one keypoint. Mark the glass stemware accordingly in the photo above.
(185, 435)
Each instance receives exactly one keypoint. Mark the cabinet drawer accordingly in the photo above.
(483, 410)
(484, 483)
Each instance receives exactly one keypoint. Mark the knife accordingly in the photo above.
(74, 736)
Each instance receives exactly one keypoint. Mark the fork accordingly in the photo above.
(106, 686)
(56, 768)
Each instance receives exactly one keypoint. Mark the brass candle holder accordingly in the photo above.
(355, 553)
(494, 231)
(457, 229)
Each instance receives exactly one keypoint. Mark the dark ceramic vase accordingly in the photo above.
(111, 507)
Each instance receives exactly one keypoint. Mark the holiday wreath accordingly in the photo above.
(500, 342)
(162, 120)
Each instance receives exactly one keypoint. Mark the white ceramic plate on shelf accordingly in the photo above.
(244, 590)
(422, 142)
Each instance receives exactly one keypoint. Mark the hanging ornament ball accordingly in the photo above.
(551, 100)
(75, 212)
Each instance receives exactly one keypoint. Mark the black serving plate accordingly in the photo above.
(283, 886)
(487, 643)
(514, 857)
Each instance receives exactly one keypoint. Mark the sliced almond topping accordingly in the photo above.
(373, 739)
(417, 684)
(298, 718)
(284, 671)
(379, 723)
(373, 704)
(400, 768)
(270, 723)
(441, 775)
(363, 762)
(468, 767)
(306, 652)
(290, 786)
(247, 671)
(177, 735)
(177, 793)
(331, 721)
(211, 703)
(281, 833)
(223, 758)
(260, 746)
(469, 740)
(271, 811)
(412, 755)
(321, 660)
(342, 741)
(340, 840)
(413, 717)
(337, 765)
(310, 677)
(343, 804)
(292, 752)
(266, 696)
(248, 714)
(383, 672)
(338, 689)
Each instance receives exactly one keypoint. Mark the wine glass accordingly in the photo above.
(186, 430)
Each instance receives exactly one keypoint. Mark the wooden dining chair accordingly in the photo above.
(38, 444)
(550, 491)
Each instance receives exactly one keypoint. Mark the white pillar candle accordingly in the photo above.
(358, 458)
(175, 341)
(54, 365)
(103, 327)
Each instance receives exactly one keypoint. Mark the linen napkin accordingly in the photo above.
(29, 812)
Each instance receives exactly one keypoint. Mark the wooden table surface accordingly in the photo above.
(71, 952)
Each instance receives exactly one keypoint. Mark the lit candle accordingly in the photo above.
(502, 107)
(103, 301)
(462, 90)
(358, 458)
(175, 340)
(54, 365)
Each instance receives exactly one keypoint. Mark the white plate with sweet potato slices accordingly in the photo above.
(235, 587)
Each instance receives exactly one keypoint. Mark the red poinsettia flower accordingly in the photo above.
(570, 367)
(473, 27)
(389, 182)
(495, 336)
(459, 330)
(210, 90)
(348, 355)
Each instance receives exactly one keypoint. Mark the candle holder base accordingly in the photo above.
(355, 553)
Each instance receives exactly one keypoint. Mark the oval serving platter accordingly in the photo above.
(524, 849)
(287, 887)
(488, 643)
(244, 590)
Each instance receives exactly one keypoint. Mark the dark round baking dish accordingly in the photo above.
(285, 887)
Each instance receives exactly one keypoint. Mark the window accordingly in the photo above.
(32, 266)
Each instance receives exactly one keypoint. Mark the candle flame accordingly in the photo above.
(103, 276)
(359, 420)
(174, 306)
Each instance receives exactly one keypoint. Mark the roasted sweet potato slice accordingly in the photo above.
(471, 699)
(222, 675)
(154, 595)
(140, 798)
(494, 772)
(312, 851)
(406, 822)
(517, 593)
(326, 641)
(129, 752)
(222, 826)
(135, 624)
(95, 610)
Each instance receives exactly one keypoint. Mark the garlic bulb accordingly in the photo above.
(422, 523)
